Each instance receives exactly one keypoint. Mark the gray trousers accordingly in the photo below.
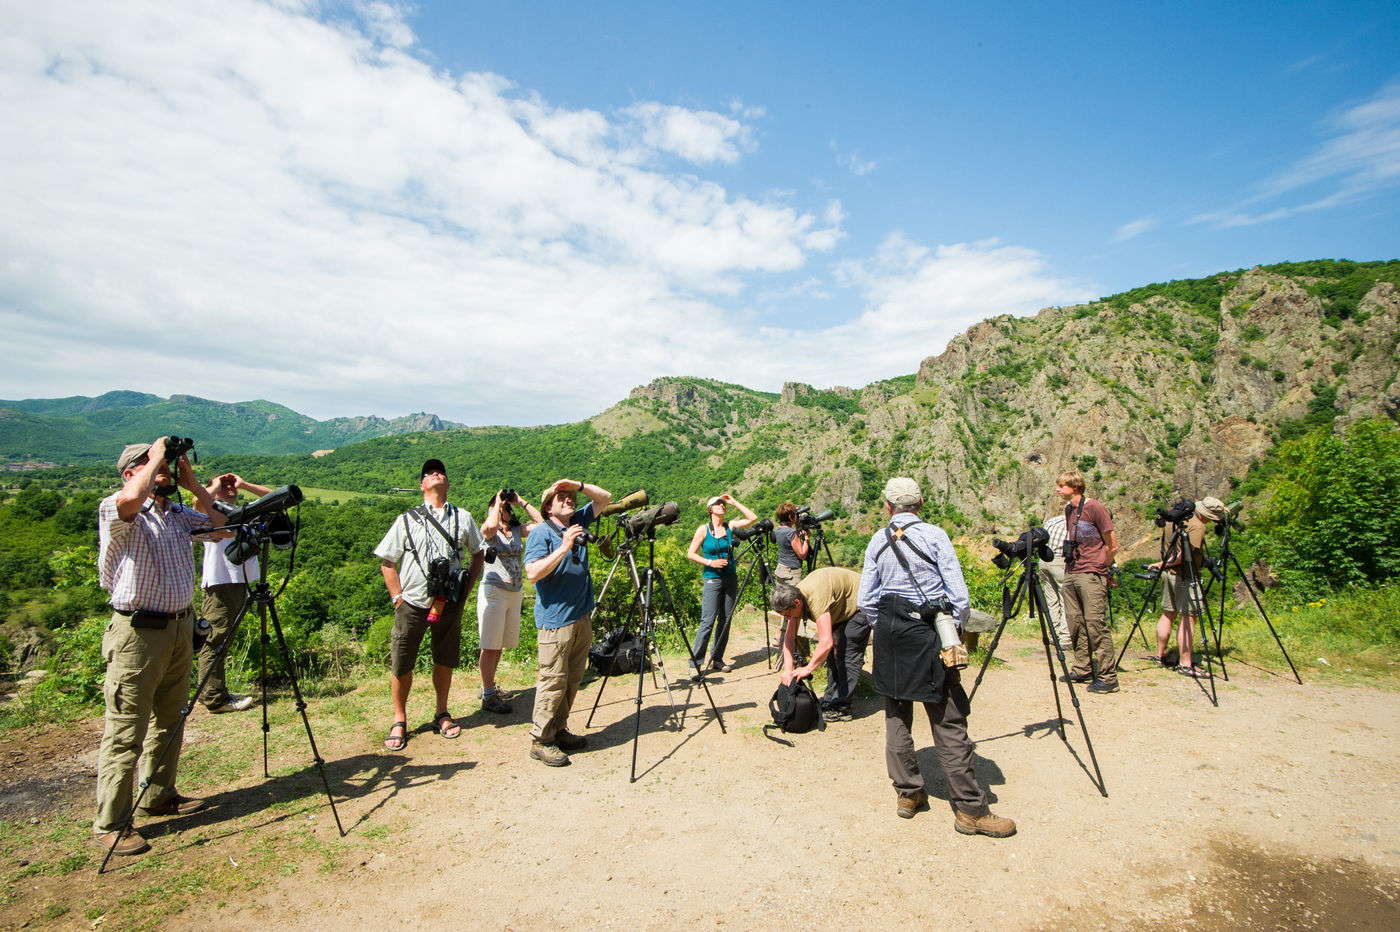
(1052, 579)
(950, 740)
(847, 658)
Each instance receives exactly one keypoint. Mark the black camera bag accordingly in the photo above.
(795, 708)
(620, 651)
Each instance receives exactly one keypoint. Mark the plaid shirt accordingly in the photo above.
(882, 573)
(1056, 527)
(147, 562)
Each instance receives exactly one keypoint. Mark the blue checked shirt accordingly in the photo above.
(883, 575)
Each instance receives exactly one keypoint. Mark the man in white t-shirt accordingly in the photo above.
(225, 587)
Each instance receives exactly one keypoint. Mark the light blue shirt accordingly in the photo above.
(882, 574)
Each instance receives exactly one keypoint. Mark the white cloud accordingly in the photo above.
(852, 161)
(701, 137)
(1361, 158)
(1134, 228)
(239, 200)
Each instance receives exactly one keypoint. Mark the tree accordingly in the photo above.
(1335, 512)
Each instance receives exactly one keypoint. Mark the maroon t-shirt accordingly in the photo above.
(1094, 523)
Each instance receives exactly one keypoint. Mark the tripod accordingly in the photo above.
(758, 547)
(645, 584)
(816, 545)
(1028, 587)
(1220, 570)
(1195, 602)
(265, 598)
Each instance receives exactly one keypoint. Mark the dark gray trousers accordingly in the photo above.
(950, 740)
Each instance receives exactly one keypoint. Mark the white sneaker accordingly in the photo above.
(234, 703)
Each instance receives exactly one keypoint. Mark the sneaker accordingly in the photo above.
(569, 741)
(548, 754)
(175, 805)
(989, 824)
(1080, 677)
(1103, 686)
(908, 805)
(128, 842)
(233, 704)
(719, 666)
(492, 702)
(836, 715)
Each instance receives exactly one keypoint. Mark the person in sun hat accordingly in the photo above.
(1181, 589)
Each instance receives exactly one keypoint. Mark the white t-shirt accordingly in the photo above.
(217, 569)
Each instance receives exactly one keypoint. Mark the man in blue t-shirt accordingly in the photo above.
(556, 563)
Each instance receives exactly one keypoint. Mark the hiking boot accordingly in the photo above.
(1103, 686)
(989, 824)
(1080, 677)
(548, 754)
(129, 841)
(836, 714)
(175, 805)
(492, 702)
(569, 741)
(908, 805)
(233, 704)
(719, 666)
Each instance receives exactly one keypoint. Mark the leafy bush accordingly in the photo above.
(1335, 511)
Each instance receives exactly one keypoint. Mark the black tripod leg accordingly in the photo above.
(685, 639)
(301, 707)
(764, 574)
(1038, 597)
(1260, 605)
(612, 665)
(996, 637)
(264, 644)
(738, 600)
(1137, 623)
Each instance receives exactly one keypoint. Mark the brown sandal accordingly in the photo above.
(445, 726)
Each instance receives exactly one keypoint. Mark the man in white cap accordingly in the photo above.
(1181, 588)
(908, 565)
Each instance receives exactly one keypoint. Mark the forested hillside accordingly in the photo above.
(81, 429)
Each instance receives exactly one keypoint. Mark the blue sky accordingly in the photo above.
(514, 213)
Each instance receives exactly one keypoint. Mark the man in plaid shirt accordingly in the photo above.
(146, 564)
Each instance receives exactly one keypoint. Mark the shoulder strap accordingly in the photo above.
(891, 539)
(422, 512)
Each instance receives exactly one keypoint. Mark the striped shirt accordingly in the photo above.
(882, 573)
(147, 562)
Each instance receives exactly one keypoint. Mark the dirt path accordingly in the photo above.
(1279, 808)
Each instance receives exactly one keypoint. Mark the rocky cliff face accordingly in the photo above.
(1154, 396)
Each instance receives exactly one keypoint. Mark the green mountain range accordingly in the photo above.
(81, 429)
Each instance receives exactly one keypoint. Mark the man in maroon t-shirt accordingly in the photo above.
(1089, 534)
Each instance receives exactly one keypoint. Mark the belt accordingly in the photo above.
(168, 616)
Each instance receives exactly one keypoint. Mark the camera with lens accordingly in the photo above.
(490, 555)
(809, 520)
(1036, 539)
(444, 579)
(1177, 514)
(931, 609)
(759, 528)
(176, 447)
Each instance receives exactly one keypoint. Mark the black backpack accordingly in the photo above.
(795, 708)
(616, 654)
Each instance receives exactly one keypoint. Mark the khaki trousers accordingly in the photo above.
(147, 683)
(1086, 610)
(1052, 580)
(563, 659)
(220, 606)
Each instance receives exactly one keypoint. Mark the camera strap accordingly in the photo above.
(420, 513)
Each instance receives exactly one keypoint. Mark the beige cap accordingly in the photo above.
(132, 453)
(1211, 509)
(902, 490)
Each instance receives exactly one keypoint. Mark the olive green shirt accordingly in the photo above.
(831, 589)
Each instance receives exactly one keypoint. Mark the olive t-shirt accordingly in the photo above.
(831, 589)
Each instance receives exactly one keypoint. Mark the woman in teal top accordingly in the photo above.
(712, 547)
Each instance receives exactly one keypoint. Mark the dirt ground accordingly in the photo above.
(1277, 809)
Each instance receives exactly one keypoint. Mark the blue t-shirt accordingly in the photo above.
(565, 595)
